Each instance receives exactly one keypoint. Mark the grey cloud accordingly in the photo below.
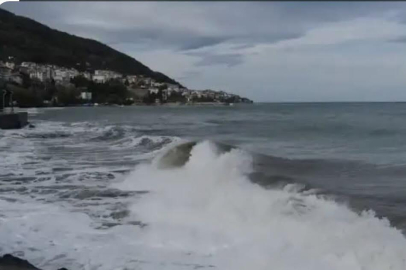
(218, 33)
(210, 59)
(189, 74)
(214, 23)
(201, 42)
(400, 40)
(189, 26)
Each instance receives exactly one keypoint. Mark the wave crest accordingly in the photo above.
(208, 207)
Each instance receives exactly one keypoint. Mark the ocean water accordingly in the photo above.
(308, 186)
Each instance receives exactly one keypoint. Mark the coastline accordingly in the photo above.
(168, 104)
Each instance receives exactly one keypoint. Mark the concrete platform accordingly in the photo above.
(13, 120)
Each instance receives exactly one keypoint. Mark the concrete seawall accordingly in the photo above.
(13, 120)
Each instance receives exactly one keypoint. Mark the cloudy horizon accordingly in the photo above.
(267, 51)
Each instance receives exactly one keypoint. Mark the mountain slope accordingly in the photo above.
(28, 40)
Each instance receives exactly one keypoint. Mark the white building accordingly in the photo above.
(60, 75)
(173, 87)
(38, 74)
(106, 75)
(153, 90)
(5, 73)
(86, 95)
(132, 78)
(147, 81)
(99, 78)
(10, 65)
(28, 64)
(86, 75)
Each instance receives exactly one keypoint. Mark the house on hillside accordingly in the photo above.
(10, 65)
(147, 81)
(132, 79)
(99, 78)
(38, 74)
(153, 90)
(28, 65)
(60, 75)
(86, 96)
(102, 76)
(5, 73)
(173, 87)
(72, 73)
(86, 75)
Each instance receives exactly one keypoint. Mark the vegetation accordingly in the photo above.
(28, 40)
(33, 93)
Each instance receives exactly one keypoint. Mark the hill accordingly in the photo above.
(28, 40)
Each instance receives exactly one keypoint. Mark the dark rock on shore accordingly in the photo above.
(10, 262)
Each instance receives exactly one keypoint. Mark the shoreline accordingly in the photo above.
(169, 104)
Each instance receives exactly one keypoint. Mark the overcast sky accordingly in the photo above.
(267, 51)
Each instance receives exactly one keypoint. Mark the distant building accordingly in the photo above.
(105, 75)
(173, 87)
(72, 73)
(99, 78)
(153, 90)
(86, 96)
(60, 75)
(132, 78)
(5, 73)
(10, 65)
(28, 64)
(86, 75)
(38, 74)
(147, 81)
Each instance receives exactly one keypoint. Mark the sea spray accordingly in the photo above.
(208, 207)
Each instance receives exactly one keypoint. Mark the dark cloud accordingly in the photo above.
(201, 42)
(183, 39)
(189, 26)
(186, 26)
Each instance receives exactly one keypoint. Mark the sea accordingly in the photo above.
(281, 186)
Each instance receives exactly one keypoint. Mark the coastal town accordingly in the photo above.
(55, 83)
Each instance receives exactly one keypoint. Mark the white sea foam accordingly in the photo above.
(208, 207)
(205, 214)
(131, 142)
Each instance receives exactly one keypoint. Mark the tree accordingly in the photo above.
(67, 95)
(26, 80)
(80, 81)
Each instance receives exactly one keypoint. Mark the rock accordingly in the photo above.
(9, 262)
(13, 120)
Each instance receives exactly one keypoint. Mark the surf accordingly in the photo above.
(202, 202)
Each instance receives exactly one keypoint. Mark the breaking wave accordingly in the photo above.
(196, 205)
(205, 205)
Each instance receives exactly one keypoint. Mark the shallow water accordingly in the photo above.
(304, 186)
